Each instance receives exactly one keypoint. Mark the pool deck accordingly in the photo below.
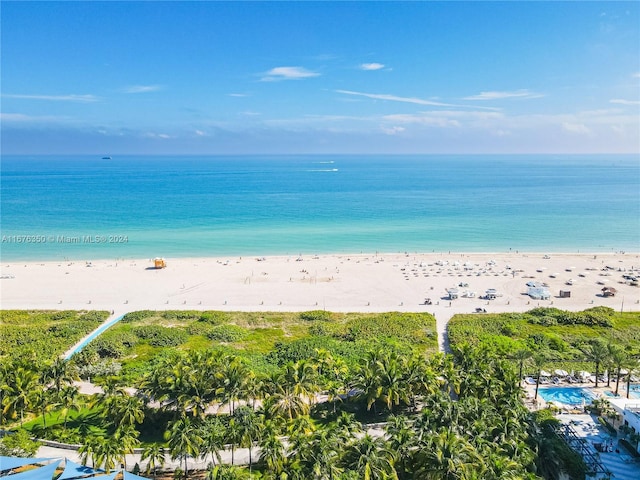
(619, 462)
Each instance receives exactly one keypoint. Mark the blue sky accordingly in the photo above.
(327, 77)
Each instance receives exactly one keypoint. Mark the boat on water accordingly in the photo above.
(106, 158)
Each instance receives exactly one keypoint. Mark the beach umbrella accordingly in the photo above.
(561, 373)
(544, 373)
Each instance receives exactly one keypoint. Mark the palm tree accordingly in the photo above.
(184, 440)
(60, 373)
(633, 367)
(272, 452)
(68, 398)
(401, 440)
(127, 410)
(43, 399)
(597, 352)
(233, 379)
(619, 359)
(20, 387)
(249, 425)
(393, 387)
(522, 355)
(371, 458)
(154, 454)
(89, 450)
(539, 361)
(127, 439)
(446, 456)
(212, 432)
(367, 381)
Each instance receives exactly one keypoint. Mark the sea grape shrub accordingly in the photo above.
(214, 318)
(597, 316)
(181, 316)
(315, 316)
(546, 321)
(199, 328)
(138, 316)
(113, 345)
(226, 333)
(159, 336)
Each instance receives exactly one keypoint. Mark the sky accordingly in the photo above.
(209, 77)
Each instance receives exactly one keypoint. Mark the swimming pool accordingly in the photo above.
(622, 392)
(566, 395)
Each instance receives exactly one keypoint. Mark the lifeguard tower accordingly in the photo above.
(159, 262)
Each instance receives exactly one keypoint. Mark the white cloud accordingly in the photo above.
(580, 128)
(288, 73)
(394, 130)
(238, 95)
(501, 95)
(142, 88)
(636, 75)
(371, 66)
(56, 98)
(156, 135)
(621, 101)
(200, 133)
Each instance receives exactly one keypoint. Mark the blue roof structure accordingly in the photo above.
(9, 463)
(72, 470)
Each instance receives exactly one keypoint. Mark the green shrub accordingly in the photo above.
(137, 316)
(214, 318)
(315, 316)
(181, 315)
(227, 333)
(159, 336)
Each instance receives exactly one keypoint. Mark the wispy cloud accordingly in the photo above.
(621, 101)
(288, 73)
(636, 75)
(413, 100)
(579, 128)
(56, 98)
(238, 95)
(23, 118)
(493, 95)
(142, 88)
(371, 66)
(394, 98)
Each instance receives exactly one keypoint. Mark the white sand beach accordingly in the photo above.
(341, 283)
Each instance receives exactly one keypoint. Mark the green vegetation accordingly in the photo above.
(264, 340)
(565, 339)
(442, 418)
(299, 387)
(42, 335)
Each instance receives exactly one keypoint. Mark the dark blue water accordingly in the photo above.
(139, 207)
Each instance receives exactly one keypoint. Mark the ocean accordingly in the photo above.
(87, 207)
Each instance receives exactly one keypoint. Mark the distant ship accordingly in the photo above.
(106, 158)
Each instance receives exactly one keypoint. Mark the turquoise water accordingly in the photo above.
(84, 207)
(566, 395)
